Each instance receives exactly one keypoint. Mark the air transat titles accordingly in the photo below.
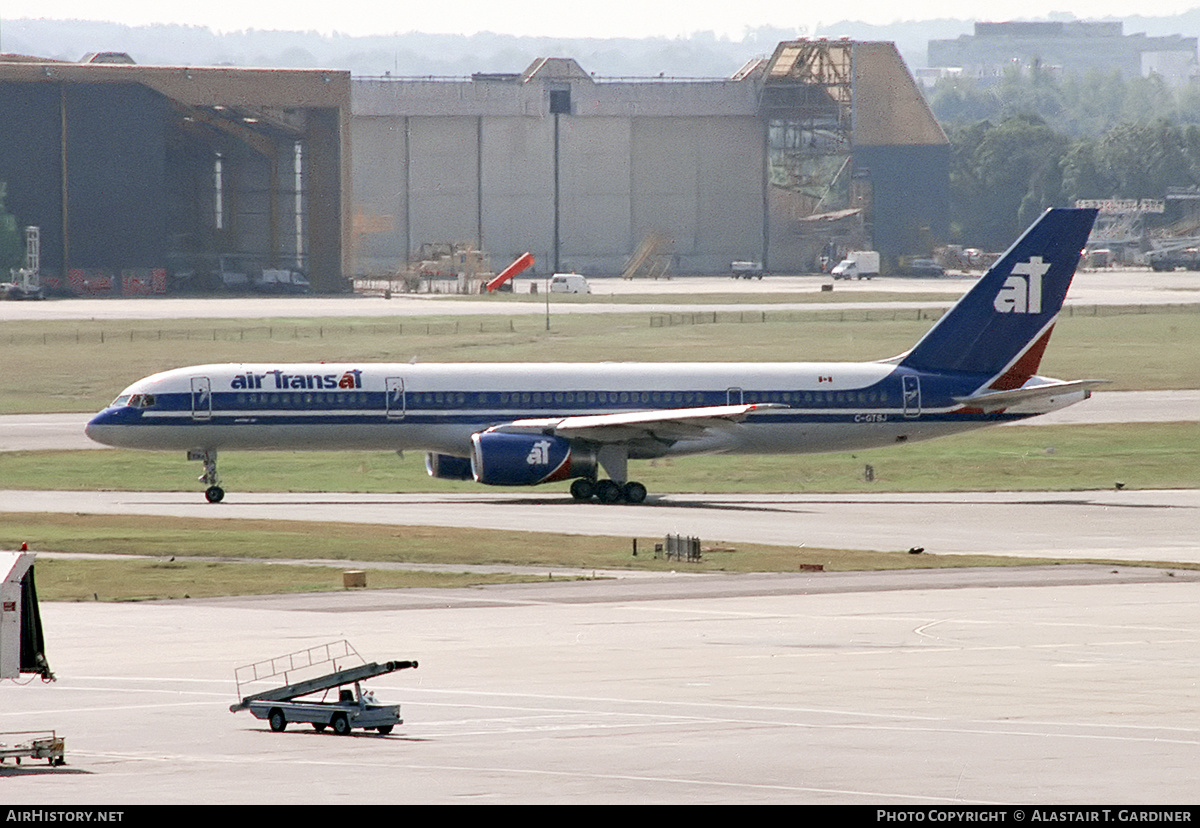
(280, 379)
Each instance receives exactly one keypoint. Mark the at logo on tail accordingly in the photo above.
(1023, 295)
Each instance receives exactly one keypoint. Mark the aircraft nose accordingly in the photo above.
(92, 427)
(99, 428)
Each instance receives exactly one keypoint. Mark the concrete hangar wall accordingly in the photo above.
(147, 178)
(517, 162)
(579, 171)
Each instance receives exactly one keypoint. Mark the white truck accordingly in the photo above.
(353, 708)
(281, 706)
(569, 283)
(858, 264)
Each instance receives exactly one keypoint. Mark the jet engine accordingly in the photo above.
(448, 467)
(503, 459)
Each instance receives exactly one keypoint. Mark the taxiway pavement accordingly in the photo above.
(613, 295)
(1043, 687)
(1124, 525)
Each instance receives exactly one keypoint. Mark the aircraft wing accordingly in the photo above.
(670, 425)
(997, 400)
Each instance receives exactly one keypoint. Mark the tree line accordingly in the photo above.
(1035, 140)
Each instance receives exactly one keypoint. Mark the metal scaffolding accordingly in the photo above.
(807, 99)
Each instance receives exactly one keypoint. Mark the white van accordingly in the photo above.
(569, 283)
(858, 264)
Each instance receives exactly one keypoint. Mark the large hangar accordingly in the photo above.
(824, 146)
(147, 177)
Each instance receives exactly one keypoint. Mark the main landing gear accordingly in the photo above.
(608, 491)
(214, 493)
(614, 459)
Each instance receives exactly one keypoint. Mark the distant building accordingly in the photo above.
(163, 178)
(1074, 47)
(149, 179)
(824, 146)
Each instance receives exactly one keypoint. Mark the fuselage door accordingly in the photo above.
(395, 398)
(912, 395)
(202, 406)
(733, 396)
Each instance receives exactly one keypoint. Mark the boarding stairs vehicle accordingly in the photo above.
(26, 283)
(22, 653)
(352, 708)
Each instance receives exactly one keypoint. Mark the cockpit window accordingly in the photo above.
(134, 400)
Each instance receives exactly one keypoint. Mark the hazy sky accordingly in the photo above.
(592, 18)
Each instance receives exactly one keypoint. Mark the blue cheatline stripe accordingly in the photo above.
(537, 404)
(484, 419)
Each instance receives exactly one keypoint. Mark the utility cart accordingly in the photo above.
(32, 744)
(352, 708)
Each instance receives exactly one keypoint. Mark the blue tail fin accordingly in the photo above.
(1000, 327)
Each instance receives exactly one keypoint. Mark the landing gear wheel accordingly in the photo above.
(277, 720)
(384, 729)
(634, 492)
(319, 727)
(214, 492)
(608, 491)
(583, 489)
(341, 725)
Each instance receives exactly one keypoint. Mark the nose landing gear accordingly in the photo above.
(213, 493)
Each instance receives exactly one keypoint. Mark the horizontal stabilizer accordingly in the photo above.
(997, 400)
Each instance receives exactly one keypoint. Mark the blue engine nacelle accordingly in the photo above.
(500, 459)
(448, 467)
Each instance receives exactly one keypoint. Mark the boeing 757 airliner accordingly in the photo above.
(526, 424)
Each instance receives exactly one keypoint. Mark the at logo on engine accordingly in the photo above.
(539, 455)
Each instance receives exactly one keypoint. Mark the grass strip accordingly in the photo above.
(81, 366)
(1044, 458)
(183, 548)
(159, 579)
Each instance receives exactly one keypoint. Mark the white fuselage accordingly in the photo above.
(437, 407)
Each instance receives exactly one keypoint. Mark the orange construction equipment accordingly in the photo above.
(524, 261)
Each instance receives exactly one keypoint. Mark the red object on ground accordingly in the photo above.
(524, 261)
